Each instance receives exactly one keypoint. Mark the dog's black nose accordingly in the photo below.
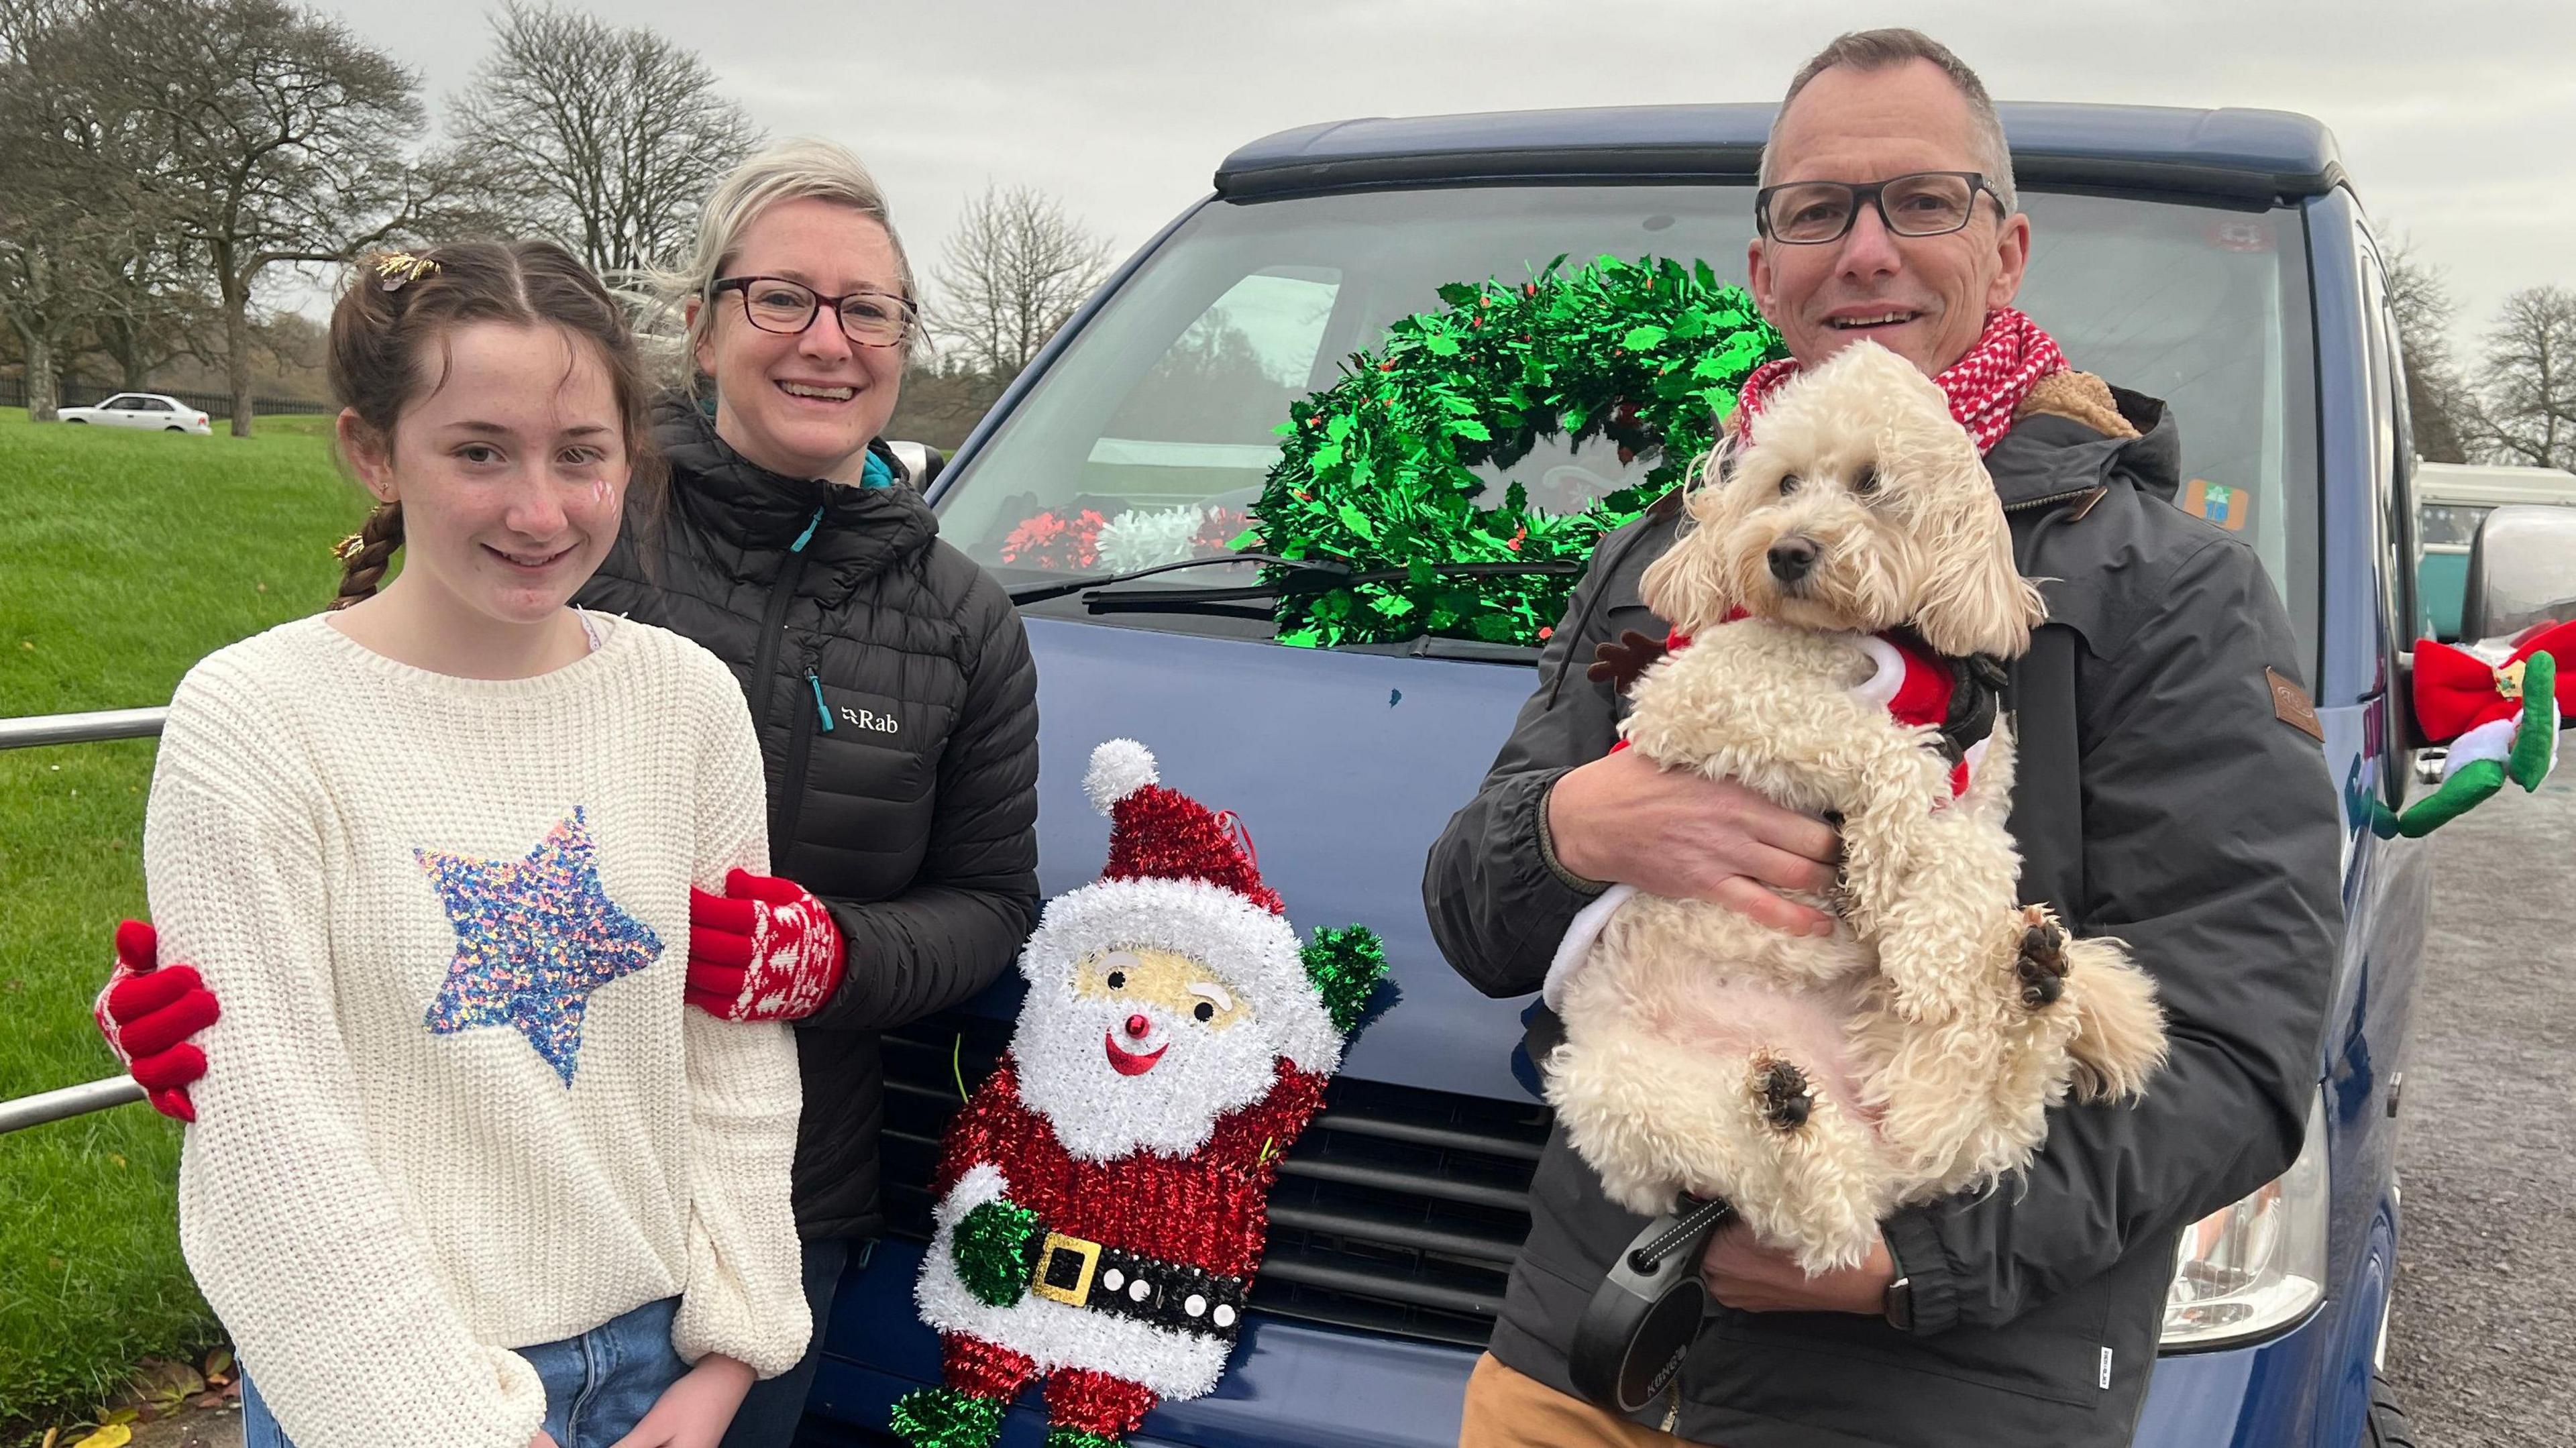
(1792, 559)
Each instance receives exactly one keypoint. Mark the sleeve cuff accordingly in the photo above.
(1925, 1264)
(720, 1319)
(1547, 844)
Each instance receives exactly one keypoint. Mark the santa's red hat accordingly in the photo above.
(1158, 833)
(1181, 877)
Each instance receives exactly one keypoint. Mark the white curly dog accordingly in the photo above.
(1817, 1083)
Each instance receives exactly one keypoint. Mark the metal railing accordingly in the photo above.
(79, 1100)
(105, 724)
(88, 728)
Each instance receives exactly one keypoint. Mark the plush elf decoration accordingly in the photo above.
(2501, 721)
(1102, 1198)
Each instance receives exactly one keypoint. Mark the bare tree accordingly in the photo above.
(1011, 274)
(608, 139)
(256, 134)
(48, 227)
(2528, 382)
(2445, 410)
(40, 295)
(156, 306)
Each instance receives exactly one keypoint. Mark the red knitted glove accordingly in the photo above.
(148, 1012)
(764, 950)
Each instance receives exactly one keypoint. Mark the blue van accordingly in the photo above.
(2218, 259)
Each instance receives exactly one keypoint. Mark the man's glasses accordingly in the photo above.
(775, 304)
(1926, 203)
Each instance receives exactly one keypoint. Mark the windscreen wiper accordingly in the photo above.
(1058, 588)
(1256, 602)
(1310, 576)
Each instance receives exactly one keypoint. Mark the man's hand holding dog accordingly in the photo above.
(1622, 819)
(1750, 1277)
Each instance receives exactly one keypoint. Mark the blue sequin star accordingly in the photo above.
(534, 938)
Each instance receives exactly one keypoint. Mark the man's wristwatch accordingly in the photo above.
(1898, 1305)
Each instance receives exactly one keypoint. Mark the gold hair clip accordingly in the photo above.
(394, 268)
(348, 549)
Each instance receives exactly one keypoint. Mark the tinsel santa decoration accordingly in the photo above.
(1102, 1199)
(2499, 717)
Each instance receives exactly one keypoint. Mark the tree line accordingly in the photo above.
(2516, 402)
(163, 163)
(167, 164)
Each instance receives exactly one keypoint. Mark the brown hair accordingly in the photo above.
(1867, 50)
(398, 307)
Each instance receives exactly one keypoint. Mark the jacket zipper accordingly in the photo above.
(773, 632)
(2054, 498)
(822, 710)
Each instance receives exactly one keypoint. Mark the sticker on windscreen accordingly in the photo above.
(2227, 507)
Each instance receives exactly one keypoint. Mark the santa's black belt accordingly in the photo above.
(1082, 1273)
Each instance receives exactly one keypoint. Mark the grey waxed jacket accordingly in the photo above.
(2162, 798)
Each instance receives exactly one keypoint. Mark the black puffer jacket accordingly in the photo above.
(2165, 796)
(914, 814)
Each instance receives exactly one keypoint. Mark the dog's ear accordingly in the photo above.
(1974, 601)
(1687, 586)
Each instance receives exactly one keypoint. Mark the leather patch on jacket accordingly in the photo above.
(2293, 705)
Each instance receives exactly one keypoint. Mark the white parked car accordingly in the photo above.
(148, 410)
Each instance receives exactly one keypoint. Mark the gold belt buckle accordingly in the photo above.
(1066, 1278)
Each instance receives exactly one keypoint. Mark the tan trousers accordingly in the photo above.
(1506, 1409)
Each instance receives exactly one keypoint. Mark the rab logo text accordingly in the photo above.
(869, 719)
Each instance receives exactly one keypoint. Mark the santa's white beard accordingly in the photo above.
(1100, 1115)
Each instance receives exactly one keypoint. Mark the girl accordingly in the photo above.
(471, 1175)
(888, 675)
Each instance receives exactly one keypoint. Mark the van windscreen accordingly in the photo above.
(1150, 436)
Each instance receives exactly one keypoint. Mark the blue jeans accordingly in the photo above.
(771, 1411)
(598, 1385)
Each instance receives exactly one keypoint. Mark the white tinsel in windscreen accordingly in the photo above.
(1143, 537)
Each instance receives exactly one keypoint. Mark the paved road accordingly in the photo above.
(2484, 1329)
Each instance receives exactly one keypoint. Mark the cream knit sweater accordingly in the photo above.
(456, 1106)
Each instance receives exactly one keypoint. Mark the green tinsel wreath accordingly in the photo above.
(1646, 356)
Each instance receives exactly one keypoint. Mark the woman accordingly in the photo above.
(888, 676)
(472, 1174)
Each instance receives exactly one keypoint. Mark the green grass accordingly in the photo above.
(124, 558)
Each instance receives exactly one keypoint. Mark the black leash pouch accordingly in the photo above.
(1647, 1313)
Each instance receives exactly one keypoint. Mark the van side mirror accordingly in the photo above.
(2522, 571)
(921, 462)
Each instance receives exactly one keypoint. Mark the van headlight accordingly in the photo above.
(2258, 1266)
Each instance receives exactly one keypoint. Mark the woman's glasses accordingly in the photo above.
(775, 304)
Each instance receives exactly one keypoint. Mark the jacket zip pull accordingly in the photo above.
(823, 710)
(808, 535)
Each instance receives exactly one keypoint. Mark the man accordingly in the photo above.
(2163, 797)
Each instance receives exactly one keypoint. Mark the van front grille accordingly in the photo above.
(1398, 1211)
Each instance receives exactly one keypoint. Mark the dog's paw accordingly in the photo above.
(2040, 967)
(1782, 1093)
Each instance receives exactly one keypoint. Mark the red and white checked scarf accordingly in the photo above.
(1985, 387)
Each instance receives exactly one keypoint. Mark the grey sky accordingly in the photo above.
(2457, 121)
